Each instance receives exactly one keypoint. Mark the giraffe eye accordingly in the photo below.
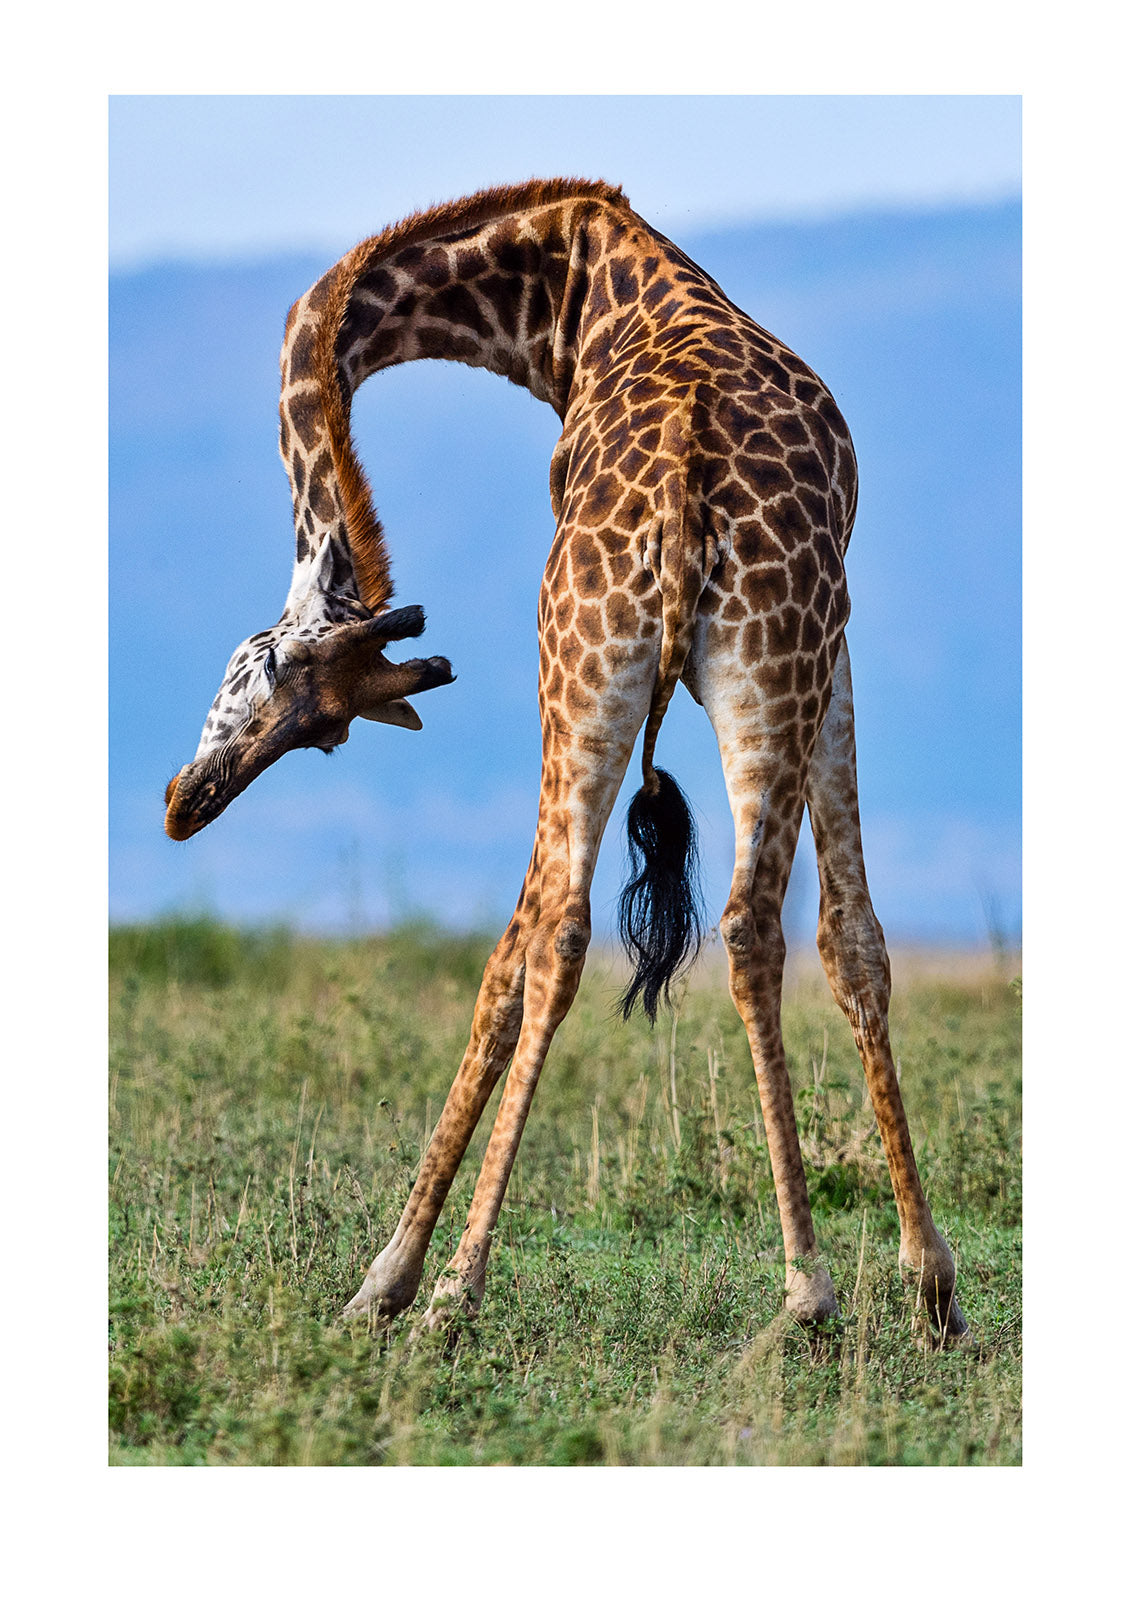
(269, 667)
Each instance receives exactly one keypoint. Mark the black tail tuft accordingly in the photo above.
(661, 922)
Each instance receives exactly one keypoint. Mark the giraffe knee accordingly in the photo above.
(748, 936)
(736, 929)
(571, 941)
(851, 945)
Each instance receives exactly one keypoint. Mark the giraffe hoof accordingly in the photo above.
(385, 1293)
(945, 1334)
(932, 1278)
(809, 1295)
(452, 1308)
(372, 1306)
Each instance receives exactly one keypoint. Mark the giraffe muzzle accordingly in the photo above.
(175, 824)
(193, 800)
(203, 789)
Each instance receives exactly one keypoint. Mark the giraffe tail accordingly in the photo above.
(661, 918)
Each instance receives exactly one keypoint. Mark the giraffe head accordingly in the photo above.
(296, 686)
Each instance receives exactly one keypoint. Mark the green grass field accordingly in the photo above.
(269, 1101)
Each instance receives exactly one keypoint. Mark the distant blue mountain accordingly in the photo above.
(915, 323)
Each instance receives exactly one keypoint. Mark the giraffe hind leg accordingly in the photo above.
(570, 832)
(392, 1281)
(854, 956)
(589, 724)
(767, 816)
(555, 959)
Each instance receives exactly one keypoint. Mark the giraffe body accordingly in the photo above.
(704, 487)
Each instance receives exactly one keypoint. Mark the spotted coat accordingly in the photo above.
(704, 486)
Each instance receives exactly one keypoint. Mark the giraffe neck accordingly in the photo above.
(499, 281)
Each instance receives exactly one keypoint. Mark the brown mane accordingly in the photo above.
(363, 527)
(474, 209)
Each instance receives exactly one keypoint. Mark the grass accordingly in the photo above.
(270, 1098)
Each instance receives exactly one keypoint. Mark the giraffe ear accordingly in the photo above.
(398, 712)
(316, 577)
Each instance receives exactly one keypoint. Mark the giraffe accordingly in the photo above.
(704, 489)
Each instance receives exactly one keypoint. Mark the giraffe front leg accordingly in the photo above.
(392, 1281)
(851, 944)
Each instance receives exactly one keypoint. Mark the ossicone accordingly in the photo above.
(407, 622)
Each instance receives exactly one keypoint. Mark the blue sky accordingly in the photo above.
(216, 176)
(899, 317)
